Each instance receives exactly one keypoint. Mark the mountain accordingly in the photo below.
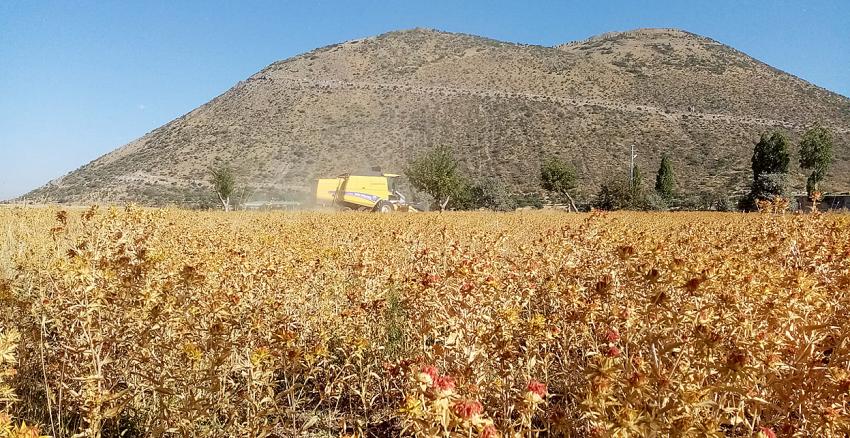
(503, 107)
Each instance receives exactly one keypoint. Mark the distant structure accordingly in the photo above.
(834, 202)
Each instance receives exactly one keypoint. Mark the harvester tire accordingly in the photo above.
(384, 207)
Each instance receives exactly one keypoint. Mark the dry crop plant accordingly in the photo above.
(159, 322)
(8, 343)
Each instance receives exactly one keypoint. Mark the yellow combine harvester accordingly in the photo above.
(362, 193)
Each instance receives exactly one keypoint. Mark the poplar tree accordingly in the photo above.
(664, 180)
(815, 156)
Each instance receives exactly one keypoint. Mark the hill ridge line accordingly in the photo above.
(672, 115)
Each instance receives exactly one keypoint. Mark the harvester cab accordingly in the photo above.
(363, 193)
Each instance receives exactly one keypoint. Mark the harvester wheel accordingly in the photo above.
(384, 207)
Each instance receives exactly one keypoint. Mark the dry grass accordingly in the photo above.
(152, 323)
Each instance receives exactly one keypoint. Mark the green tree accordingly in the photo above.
(815, 155)
(664, 180)
(530, 199)
(770, 155)
(435, 173)
(627, 194)
(616, 194)
(770, 168)
(489, 192)
(223, 181)
(559, 178)
(636, 184)
(623, 194)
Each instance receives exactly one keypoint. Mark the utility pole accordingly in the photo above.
(632, 156)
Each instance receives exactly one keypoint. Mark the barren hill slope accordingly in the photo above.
(503, 107)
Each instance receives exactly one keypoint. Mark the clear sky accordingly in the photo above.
(78, 79)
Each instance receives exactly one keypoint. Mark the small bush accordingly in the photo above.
(655, 202)
(489, 193)
(620, 195)
(523, 200)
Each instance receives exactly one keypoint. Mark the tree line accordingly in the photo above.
(436, 173)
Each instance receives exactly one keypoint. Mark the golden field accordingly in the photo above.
(176, 323)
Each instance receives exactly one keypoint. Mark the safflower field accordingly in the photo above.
(142, 322)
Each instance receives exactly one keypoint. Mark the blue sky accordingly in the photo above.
(78, 79)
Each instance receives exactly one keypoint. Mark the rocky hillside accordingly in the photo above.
(503, 107)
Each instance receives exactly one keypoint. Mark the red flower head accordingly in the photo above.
(768, 432)
(428, 375)
(444, 383)
(612, 352)
(537, 388)
(637, 379)
(466, 409)
(489, 432)
(430, 279)
(597, 431)
(612, 336)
